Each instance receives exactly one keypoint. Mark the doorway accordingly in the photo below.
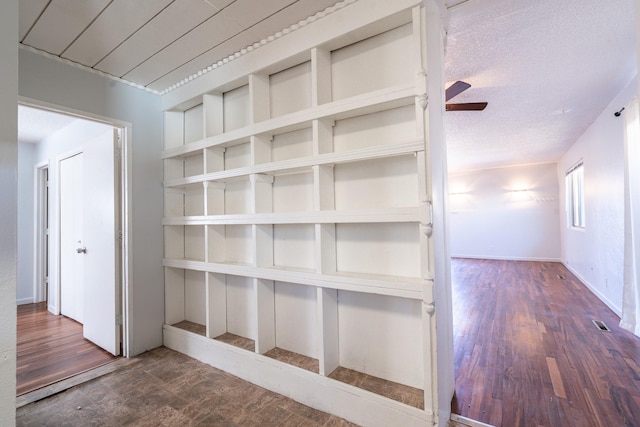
(41, 211)
(51, 219)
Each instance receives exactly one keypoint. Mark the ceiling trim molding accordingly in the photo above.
(85, 68)
(319, 15)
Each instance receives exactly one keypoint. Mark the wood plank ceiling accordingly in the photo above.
(154, 43)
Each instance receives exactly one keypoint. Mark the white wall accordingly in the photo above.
(57, 83)
(8, 210)
(25, 276)
(596, 254)
(488, 220)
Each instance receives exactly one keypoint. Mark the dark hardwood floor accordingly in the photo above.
(528, 354)
(51, 348)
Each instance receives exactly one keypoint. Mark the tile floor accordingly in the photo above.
(166, 388)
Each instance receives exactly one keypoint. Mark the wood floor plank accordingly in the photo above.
(556, 380)
(51, 348)
(527, 352)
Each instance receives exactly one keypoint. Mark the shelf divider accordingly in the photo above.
(320, 76)
(261, 195)
(265, 332)
(259, 98)
(213, 114)
(216, 301)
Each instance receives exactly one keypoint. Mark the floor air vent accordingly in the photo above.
(600, 325)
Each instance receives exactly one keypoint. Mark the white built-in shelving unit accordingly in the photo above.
(297, 214)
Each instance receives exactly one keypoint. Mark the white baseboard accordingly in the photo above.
(596, 292)
(507, 258)
(468, 421)
(325, 394)
(23, 301)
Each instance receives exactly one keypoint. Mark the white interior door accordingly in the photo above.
(101, 260)
(71, 232)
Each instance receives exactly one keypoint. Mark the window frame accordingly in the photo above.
(574, 186)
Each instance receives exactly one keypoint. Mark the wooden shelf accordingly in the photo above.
(399, 149)
(321, 217)
(294, 359)
(405, 287)
(192, 327)
(237, 341)
(380, 100)
(402, 393)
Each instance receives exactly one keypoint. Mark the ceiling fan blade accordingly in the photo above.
(469, 106)
(455, 89)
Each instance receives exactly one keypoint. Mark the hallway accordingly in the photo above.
(51, 348)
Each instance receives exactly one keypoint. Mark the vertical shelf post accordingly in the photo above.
(261, 149)
(323, 199)
(320, 76)
(259, 98)
(216, 305)
(173, 202)
(425, 205)
(173, 207)
(438, 371)
(262, 202)
(213, 114)
(265, 306)
(215, 243)
(174, 295)
(173, 129)
(214, 198)
(214, 159)
(261, 189)
(215, 284)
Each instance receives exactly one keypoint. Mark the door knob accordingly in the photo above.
(82, 250)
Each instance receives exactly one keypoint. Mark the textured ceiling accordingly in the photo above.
(547, 68)
(35, 124)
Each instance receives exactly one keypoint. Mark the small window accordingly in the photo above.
(575, 196)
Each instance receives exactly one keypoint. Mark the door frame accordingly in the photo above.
(41, 232)
(124, 202)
